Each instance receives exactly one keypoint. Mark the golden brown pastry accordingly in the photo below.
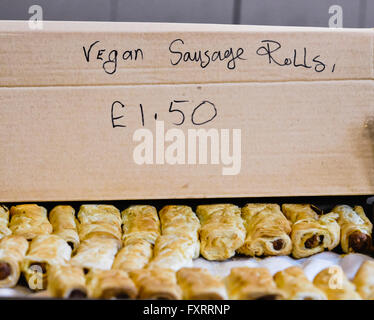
(222, 230)
(267, 230)
(336, 286)
(356, 228)
(296, 286)
(95, 253)
(29, 221)
(99, 221)
(44, 251)
(156, 284)
(364, 280)
(12, 252)
(311, 233)
(244, 283)
(66, 281)
(199, 284)
(108, 284)
(4, 221)
(64, 224)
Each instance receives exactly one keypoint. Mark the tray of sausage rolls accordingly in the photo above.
(220, 250)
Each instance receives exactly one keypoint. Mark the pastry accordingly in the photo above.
(267, 230)
(222, 231)
(199, 284)
(355, 227)
(4, 221)
(66, 281)
(44, 251)
(336, 286)
(156, 284)
(29, 221)
(364, 280)
(64, 224)
(12, 252)
(107, 284)
(244, 283)
(311, 233)
(296, 286)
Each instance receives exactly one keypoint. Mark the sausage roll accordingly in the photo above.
(156, 284)
(267, 231)
(12, 252)
(311, 233)
(95, 253)
(336, 286)
(4, 221)
(222, 230)
(66, 281)
(244, 283)
(29, 221)
(64, 224)
(108, 284)
(135, 254)
(181, 221)
(141, 222)
(296, 286)
(44, 251)
(99, 221)
(355, 227)
(199, 284)
(364, 280)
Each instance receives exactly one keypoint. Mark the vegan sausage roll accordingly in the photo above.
(336, 286)
(99, 221)
(108, 284)
(364, 280)
(311, 233)
(355, 229)
(64, 224)
(12, 252)
(4, 221)
(95, 253)
(244, 283)
(44, 251)
(267, 231)
(66, 281)
(199, 284)
(181, 221)
(156, 284)
(29, 221)
(296, 286)
(222, 231)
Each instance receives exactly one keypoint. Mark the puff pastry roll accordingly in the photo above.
(29, 221)
(364, 280)
(12, 252)
(99, 221)
(156, 284)
(134, 255)
(199, 284)
(64, 224)
(311, 233)
(141, 222)
(267, 230)
(222, 230)
(181, 221)
(244, 283)
(336, 286)
(355, 229)
(44, 251)
(108, 284)
(66, 281)
(296, 286)
(95, 253)
(4, 221)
